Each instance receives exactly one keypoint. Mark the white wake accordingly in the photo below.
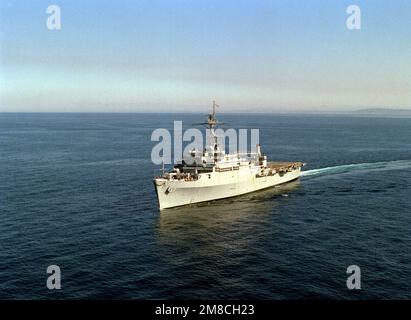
(371, 166)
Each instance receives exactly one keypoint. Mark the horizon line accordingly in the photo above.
(362, 112)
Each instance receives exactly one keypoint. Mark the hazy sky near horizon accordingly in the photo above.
(175, 55)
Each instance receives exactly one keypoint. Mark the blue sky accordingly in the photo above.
(175, 55)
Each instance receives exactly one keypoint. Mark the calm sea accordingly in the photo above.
(76, 191)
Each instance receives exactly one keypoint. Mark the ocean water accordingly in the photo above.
(76, 191)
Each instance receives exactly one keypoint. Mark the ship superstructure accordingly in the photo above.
(211, 174)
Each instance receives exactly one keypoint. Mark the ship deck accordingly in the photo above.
(283, 165)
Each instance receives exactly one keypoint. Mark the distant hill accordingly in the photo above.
(384, 112)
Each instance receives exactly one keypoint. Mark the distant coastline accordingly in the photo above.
(384, 112)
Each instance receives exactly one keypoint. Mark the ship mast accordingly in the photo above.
(212, 124)
(212, 121)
